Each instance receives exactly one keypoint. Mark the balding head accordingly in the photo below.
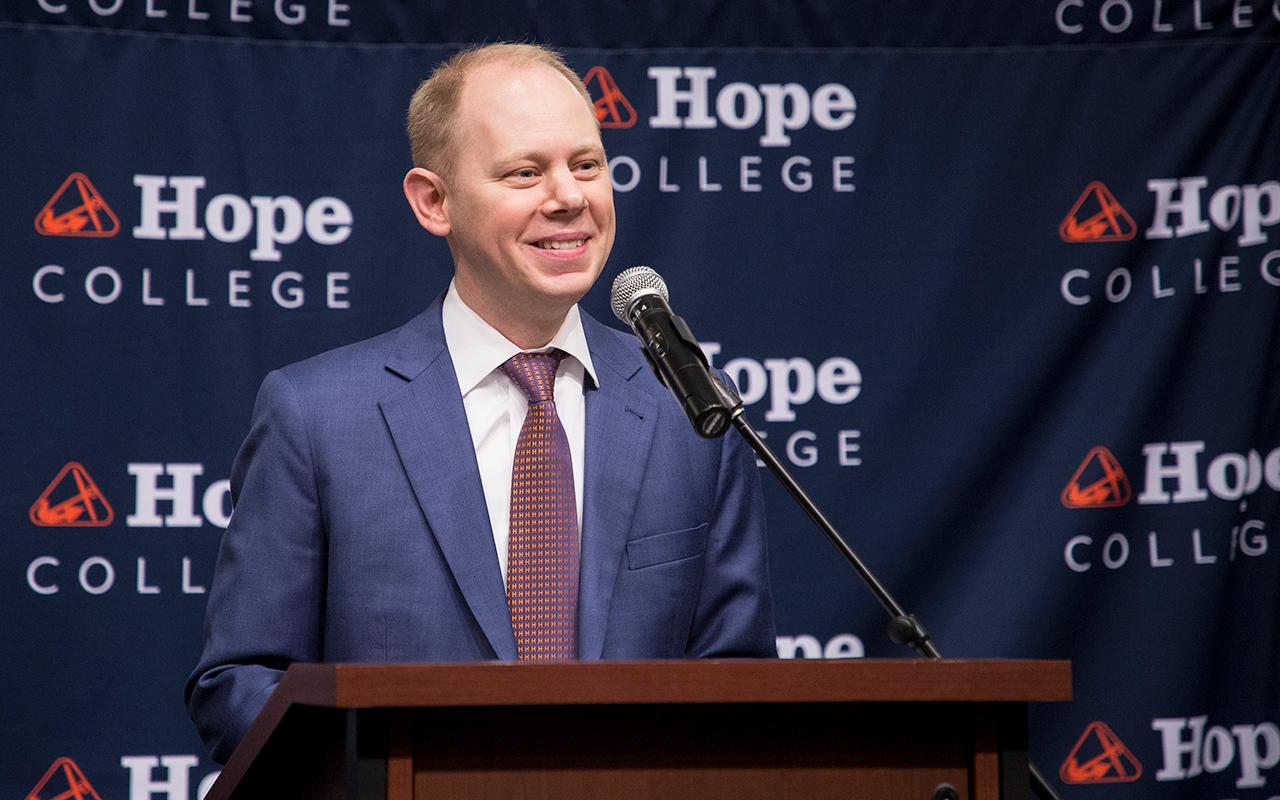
(433, 123)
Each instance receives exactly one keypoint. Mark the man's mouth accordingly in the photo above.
(565, 244)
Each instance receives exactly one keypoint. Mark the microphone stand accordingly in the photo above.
(904, 628)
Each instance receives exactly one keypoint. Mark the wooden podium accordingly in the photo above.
(863, 729)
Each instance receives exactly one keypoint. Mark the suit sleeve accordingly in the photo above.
(734, 617)
(266, 601)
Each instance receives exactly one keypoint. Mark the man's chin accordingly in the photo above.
(570, 285)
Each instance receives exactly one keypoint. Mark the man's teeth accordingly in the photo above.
(548, 244)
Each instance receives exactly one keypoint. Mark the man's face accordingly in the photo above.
(528, 198)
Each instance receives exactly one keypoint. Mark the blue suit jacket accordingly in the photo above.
(360, 531)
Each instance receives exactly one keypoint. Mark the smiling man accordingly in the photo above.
(502, 477)
(520, 189)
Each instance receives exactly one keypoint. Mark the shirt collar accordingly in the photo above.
(477, 348)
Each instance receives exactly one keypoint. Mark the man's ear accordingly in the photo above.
(425, 191)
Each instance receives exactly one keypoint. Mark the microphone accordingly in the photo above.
(639, 300)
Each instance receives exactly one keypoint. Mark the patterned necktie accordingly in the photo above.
(542, 551)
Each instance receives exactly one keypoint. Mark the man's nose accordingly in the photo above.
(564, 193)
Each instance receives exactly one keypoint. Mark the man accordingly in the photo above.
(387, 496)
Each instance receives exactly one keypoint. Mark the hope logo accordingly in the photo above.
(63, 779)
(72, 499)
(613, 110)
(1099, 482)
(1097, 216)
(77, 209)
(1100, 757)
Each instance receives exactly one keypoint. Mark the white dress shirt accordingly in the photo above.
(496, 407)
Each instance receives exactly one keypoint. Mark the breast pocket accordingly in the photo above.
(664, 548)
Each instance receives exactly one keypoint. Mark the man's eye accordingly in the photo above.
(525, 174)
(588, 166)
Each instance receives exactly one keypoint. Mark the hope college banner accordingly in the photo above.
(999, 281)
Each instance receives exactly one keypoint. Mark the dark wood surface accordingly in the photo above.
(707, 681)
(871, 751)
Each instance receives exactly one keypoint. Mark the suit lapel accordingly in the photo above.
(429, 426)
(619, 430)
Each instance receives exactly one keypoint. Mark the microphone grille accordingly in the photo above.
(631, 282)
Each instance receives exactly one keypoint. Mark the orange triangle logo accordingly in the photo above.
(1099, 482)
(72, 500)
(613, 110)
(1097, 217)
(1100, 757)
(63, 781)
(77, 209)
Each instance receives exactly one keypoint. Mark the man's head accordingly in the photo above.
(515, 179)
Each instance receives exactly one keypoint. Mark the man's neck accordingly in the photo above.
(524, 329)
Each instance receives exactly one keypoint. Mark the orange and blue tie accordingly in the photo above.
(542, 551)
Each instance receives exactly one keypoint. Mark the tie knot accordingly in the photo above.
(534, 374)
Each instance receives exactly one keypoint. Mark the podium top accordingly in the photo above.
(704, 681)
(659, 683)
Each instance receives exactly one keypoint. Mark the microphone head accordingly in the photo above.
(630, 284)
